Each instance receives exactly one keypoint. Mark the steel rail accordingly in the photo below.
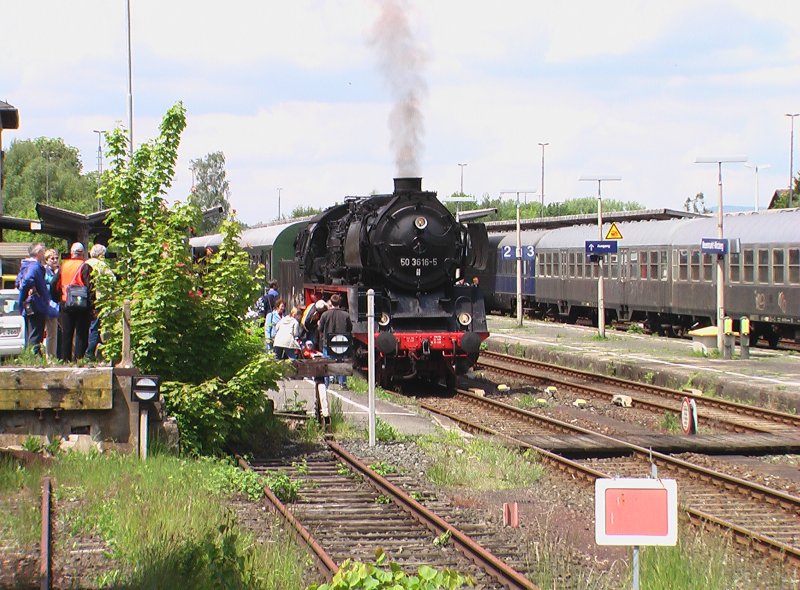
(754, 490)
(46, 543)
(773, 416)
(482, 558)
(325, 564)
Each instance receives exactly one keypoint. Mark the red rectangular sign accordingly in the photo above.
(636, 512)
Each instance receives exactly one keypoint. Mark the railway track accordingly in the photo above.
(348, 511)
(718, 413)
(764, 518)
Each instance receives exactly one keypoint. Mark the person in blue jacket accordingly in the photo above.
(34, 297)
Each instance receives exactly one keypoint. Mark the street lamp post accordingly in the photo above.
(462, 179)
(279, 202)
(756, 168)
(601, 305)
(541, 211)
(519, 252)
(791, 156)
(719, 161)
(130, 84)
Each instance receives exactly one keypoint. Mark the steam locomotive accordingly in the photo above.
(411, 250)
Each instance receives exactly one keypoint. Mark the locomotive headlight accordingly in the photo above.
(464, 318)
(383, 319)
(420, 222)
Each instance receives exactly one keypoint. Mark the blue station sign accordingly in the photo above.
(510, 252)
(714, 246)
(598, 247)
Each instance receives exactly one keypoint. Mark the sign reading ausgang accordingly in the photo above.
(601, 247)
(714, 245)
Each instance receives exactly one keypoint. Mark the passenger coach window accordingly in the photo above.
(664, 264)
(777, 267)
(635, 265)
(614, 266)
(573, 267)
(541, 265)
(707, 267)
(695, 265)
(735, 273)
(654, 266)
(683, 265)
(794, 266)
(763, 266)
(749, 269)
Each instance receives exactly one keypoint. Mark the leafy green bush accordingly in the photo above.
(382, 576)
(187, 317)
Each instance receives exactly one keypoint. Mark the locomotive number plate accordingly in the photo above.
(419, 262)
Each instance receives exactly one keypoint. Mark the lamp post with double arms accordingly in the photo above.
(719, 161)
(601, 306)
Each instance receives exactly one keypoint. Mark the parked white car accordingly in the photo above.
(12, 324)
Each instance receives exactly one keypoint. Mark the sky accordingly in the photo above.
(327, 98)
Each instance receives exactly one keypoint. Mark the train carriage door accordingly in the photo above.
(624, 285)
(563, 275)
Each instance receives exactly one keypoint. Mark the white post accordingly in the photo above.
(720, 273)
(143, 419)
(719, 160)
(371, 362)
(519, 269)
(601, 300)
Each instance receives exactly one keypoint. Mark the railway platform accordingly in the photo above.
(299, 395)
(768, 377)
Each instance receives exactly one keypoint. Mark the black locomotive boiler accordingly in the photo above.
(412, 251)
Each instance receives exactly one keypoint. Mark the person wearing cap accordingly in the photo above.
(311, 320)
(99, 267)
(75, 322)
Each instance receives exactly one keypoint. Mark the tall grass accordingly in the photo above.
(478, 463)
(166, 521)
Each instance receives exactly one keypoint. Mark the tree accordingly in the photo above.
(697, 205)
(507, 208)
(304, 212)
(186, 321)
(210, 189)
(46, 170)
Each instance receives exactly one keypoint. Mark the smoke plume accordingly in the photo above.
(401, 61)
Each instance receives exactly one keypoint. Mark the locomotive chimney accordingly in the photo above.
(409, 184)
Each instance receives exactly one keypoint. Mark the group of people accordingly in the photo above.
(305, 332)
(58, 301)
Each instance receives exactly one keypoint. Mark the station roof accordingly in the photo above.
(588, 218)
(62, 223)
